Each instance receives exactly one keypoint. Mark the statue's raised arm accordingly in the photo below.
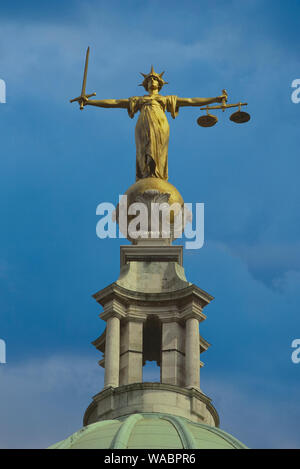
(108, 103)
(184, 102)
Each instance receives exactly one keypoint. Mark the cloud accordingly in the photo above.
(247, 177)
(42, 57)
(258, 421)
(268, 261)
(42, 401)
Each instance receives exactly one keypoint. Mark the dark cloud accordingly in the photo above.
(58, 164)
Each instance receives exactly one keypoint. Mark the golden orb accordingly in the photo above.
(153, 188)
(153, 184)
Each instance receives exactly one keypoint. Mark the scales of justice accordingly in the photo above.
(152, 133)
(152, 312)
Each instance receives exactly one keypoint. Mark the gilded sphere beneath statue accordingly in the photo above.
(153, 184)
(149, 191)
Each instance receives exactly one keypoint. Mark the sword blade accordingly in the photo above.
(85, 71)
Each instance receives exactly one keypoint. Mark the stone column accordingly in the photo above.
(172, 362)
(112, 352)
(131, 358)
(192, 353)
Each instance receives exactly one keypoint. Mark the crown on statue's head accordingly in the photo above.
(157, 76)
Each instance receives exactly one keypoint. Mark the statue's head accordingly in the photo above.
(151, 78)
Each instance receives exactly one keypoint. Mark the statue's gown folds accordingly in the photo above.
(152, 134)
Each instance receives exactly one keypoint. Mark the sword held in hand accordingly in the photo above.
(83, 96)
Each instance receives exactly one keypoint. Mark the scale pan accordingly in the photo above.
(240, 117)
(208, 120)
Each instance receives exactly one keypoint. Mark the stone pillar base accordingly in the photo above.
(112, 403)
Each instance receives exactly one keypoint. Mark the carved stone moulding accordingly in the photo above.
(151, 397)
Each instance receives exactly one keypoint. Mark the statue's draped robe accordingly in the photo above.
(152, 134)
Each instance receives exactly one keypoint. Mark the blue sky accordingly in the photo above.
(58, 164)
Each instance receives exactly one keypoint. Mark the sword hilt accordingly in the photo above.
(79, 98)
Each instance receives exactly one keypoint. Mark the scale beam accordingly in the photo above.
(209, 120)
(223, 106)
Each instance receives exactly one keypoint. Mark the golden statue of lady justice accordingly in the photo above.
(152, 127)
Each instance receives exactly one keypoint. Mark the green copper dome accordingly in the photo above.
(149, 431)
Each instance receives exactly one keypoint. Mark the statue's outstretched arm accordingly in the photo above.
(181, 102)
(108, 103)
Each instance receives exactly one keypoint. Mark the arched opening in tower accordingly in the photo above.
(152, 350)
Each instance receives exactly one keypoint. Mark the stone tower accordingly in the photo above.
(152, 313)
